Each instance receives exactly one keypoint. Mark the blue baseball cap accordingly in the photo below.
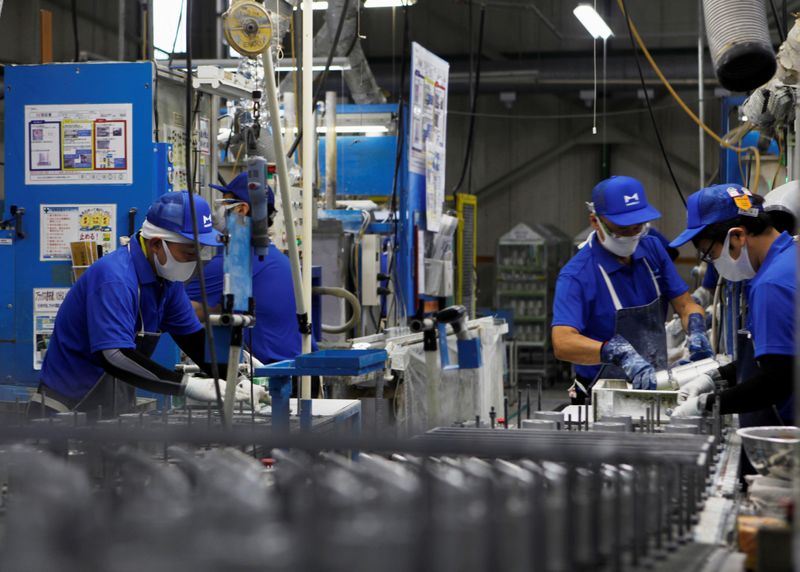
(238, 187)
(711, 205)
(622, 200)
(171, 212)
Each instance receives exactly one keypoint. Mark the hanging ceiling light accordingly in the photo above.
(369, 4)
(592, 21)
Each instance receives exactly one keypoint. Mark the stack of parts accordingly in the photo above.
(145, 496)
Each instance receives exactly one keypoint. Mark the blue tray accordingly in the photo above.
(341, 359)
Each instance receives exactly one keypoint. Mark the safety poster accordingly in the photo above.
(429, 75)
(46, 302)
(62, 224)
(78, 144)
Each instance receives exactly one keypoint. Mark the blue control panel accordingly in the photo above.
(82, 163)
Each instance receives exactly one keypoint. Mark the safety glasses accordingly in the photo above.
(706, 256)
(625, 231)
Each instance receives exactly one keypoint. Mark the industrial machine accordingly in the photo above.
(83, 164)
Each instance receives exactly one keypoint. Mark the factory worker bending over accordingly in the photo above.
(731, 230)
(110, 321)
(608, 312)
(276, 335)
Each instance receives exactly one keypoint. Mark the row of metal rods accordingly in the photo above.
(654, 530)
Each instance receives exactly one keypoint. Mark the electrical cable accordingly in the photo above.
(196, 154)
(156, 81)
(324, 74)
(650, 107)
(677, 98)
(195, 233)
(559, 116)
(175, 38)
(778, 26)
(473, 104)
(75, 30)
(594, 66)
(398, 160)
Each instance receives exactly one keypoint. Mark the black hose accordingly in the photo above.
(399, 155)
(778, 25)
(473, 105)
(324, 74)
(188, 155)
(175, 37)
(75, 30)
(649, 105)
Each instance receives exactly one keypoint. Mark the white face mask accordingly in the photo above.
(622, 246)
(734, 270)
(221, 210)
(173, 270)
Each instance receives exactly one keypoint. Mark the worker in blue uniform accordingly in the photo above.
(276, 335)
(731, 230)
(671, 252)
(110, 321)
(608, 312)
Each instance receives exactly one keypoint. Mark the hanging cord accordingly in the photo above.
(323, 75)
(295, 49)
(754, 150)
(398, 160)
(175, 37)
(594, 65)
(190, 182)
(778, 25)
(650, 107)
(75, 29)
(473, 104)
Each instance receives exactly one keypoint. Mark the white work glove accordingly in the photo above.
(701, 384)
(247, 358)
(202, 388)
(692, 407)
(676, 336)
(243, 391)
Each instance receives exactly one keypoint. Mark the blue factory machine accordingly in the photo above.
(81, 164)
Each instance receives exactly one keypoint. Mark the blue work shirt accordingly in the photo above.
(671, 252)
(582, 300)
(101, 312)
(711, 278)
(275, 337)
(771, 300)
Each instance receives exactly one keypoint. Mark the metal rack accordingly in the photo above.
(527, 264)
(467, 499)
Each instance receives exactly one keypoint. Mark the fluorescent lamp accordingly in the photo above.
(357, 129)
(368, 129)
(592, 21)
(367, 4)
(388, 3)
(313, 68)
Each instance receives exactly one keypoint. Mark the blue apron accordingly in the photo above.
(642, 326)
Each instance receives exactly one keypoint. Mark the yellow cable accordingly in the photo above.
(689, 112)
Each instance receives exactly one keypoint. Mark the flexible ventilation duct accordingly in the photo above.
(359, 78)
(738, 38)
